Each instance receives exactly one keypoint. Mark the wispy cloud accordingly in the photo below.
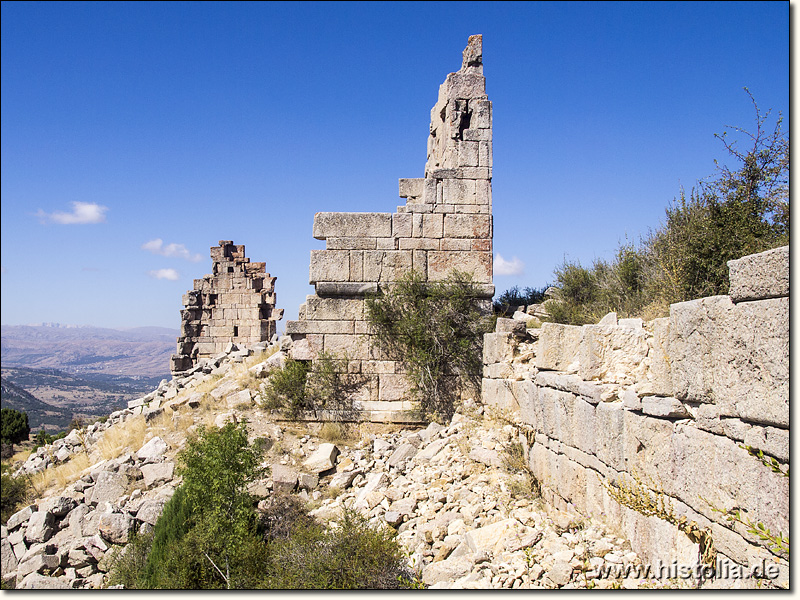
(508, 267)
(169, 274)
(157, 246)
(83, 213)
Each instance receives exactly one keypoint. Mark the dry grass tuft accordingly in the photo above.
(128, 435)
(62, 475)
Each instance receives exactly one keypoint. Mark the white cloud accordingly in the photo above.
(82, 213)
(170, 274)
(508, 267)
(157, 246)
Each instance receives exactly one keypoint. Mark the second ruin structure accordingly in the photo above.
(445, 225)
(235, 304)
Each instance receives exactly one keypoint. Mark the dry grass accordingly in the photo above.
(21, 456)
(336, 432)
(62, 475)
(128, 435)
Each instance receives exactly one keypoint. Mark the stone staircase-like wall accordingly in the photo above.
(671, 402)
(445, 225)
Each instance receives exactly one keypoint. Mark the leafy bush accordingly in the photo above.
(436, 330)
(210, 535)
(353, 555)
(207, 534)
(323, 387)
(741, 211)
(513, 298)
(13, 426)
(13, 492)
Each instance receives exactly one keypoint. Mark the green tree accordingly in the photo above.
(207, 536)
(436, 330)
(13, 426)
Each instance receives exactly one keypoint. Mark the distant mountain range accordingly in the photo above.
(141, 351)
(58, 372)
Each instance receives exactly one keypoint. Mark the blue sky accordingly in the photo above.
(137, 135)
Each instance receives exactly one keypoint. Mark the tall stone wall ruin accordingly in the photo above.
(670, 402)
(234, 304)
(445, 225)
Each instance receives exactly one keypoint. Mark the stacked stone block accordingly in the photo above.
(672, 402)
(445, 225)
(235, 304)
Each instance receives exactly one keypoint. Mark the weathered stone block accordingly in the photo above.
(612, 354)
(334, 309)
(559, 347)
(350, 243)
(498, 347)
(760, 276)
(733, 355)
(411, 188)
(664, 407)
(468, 226)
(329, 265)
(401, 225)
(441, 264)
(386, 265)
(342, 224)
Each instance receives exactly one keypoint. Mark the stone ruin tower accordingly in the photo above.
(446, 224)
(236, 303)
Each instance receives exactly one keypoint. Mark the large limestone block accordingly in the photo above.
(468, 226)
(736, 356)
(498, 347)
(760, 276)
(612, 354)
(334, 309)
(157, 473)
(329, 265)
(40, 527)
(659, 373)
(609, 442)
(492, 538)
(646, 444)
(478, 264)
(109, 486)
(499, 394)
(713, 470)
(322, 459)
(331, 224)
(591, 391)
(559, 347)
(115, 527)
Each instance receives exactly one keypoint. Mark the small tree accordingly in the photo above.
(207, 536)
(436, 330)
(13, 426)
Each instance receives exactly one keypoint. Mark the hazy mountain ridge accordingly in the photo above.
(39, 413)
(52, 398)
(140, 351)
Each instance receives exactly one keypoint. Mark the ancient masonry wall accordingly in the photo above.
(670, 401)
(446, 224)
(235, 304)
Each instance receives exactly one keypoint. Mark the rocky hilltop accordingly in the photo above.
(462, 506)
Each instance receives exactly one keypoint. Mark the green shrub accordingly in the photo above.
(129, 563)
(13, 492)
(13, 426)
(738, 212)
(286, 388)
(436, 330)
(207, 536)
(511, 299)
(323, 387)
(353, 555)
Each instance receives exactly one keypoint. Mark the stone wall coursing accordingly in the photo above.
(670, 401)
(234, 304)
(446, 224)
